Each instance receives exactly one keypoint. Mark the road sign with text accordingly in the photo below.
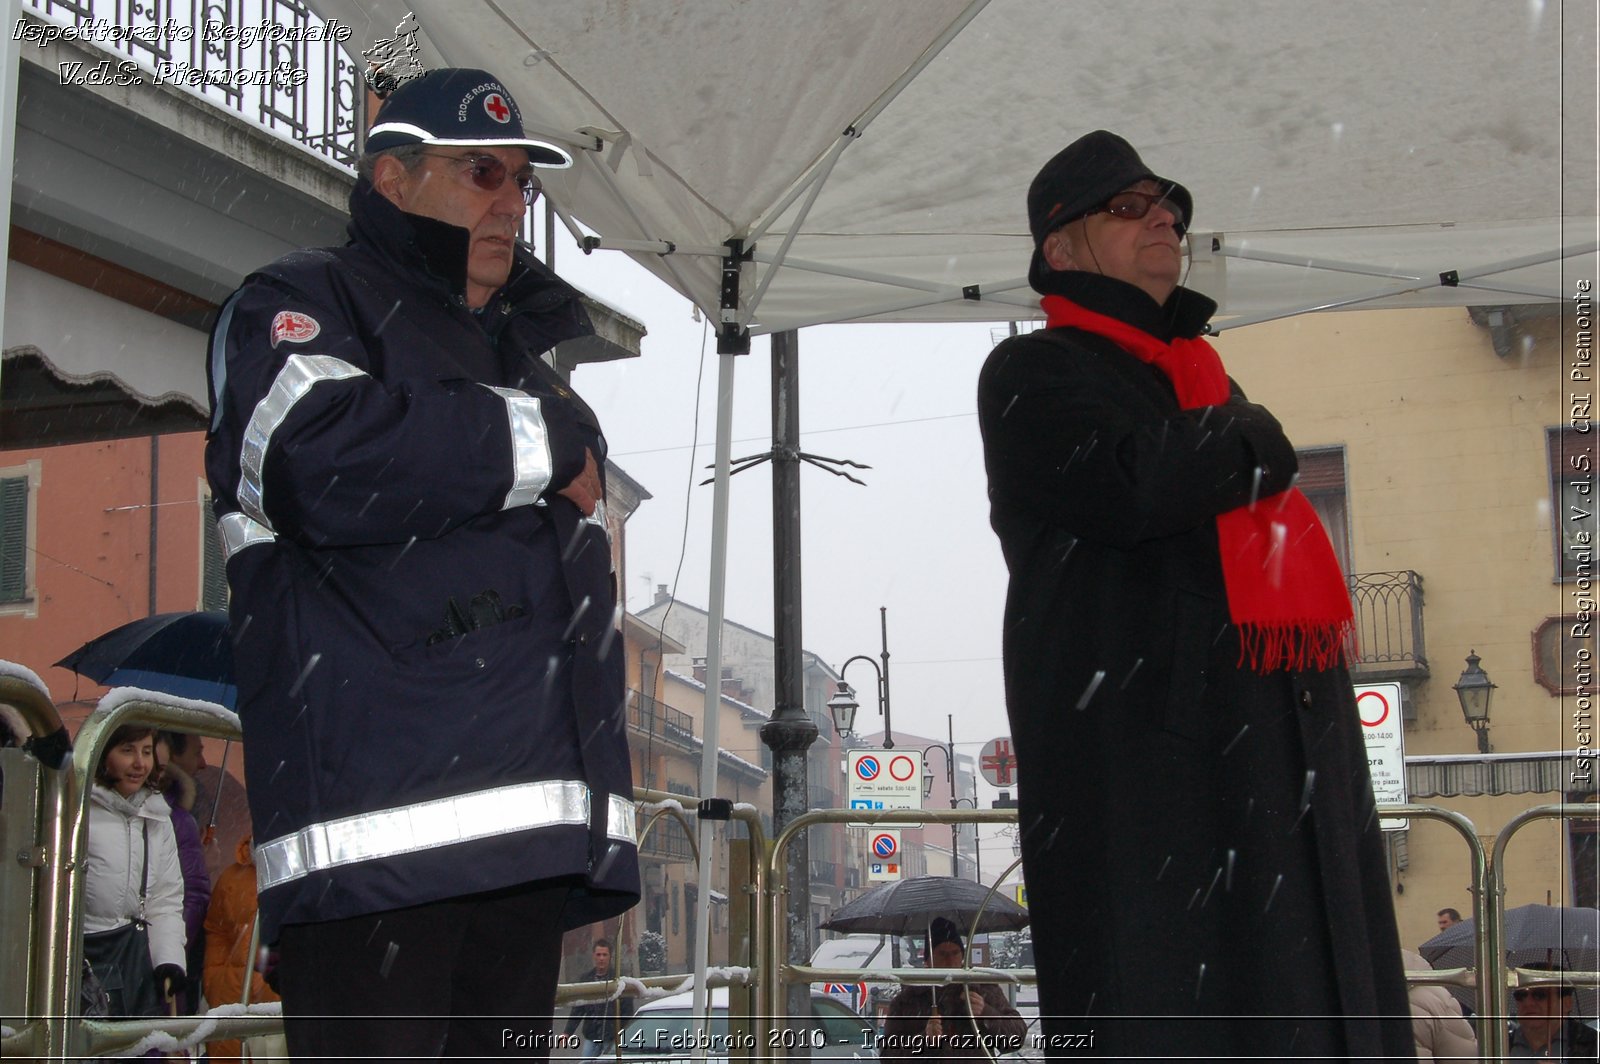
(1378, 706)
(888, 779)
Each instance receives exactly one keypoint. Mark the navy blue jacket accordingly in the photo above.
(426, 634)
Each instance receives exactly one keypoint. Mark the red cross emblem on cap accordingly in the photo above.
(495, 104)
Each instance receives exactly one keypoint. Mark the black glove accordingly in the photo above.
(169, 980)
(1274, 454)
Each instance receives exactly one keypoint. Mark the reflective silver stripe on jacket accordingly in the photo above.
(294, 380)
(622, 821)
(430, 825)
(238, 532)
(532, 464)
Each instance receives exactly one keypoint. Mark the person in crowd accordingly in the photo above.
(960, 1020)
(1545, 1027)
(177, 752)
(1440, 1031)
(1448, 918)
(132, 876)
(1198, 829)
(424, 612)
(229, 961)
(597, 1022)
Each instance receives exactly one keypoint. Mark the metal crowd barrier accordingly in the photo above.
(1490, 972)
(51, 1027)
(54, 830)
(774, 975)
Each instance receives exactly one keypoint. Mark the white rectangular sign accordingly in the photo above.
(884, 779)
(1378, 706)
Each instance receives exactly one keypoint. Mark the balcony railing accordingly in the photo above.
(651, 717)
(667, 842)
(272, 62)
(1389, 636)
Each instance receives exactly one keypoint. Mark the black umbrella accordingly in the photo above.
(1534, 934)
(908, 906)
(185, 654)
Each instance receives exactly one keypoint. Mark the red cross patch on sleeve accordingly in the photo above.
(293, 326)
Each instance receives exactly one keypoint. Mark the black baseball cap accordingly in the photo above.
(1081, 177)
(457, 107)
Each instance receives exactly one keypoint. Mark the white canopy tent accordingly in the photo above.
(875, 155)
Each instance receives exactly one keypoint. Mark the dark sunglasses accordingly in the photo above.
(1542, 993)
(1133, 205)
(489, 173)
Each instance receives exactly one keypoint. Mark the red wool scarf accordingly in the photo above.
(1285, 591)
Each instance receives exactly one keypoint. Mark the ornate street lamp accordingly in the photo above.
(843, 706)
(1475, 691)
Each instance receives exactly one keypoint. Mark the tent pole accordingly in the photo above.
(790, 732)
(732, 341)
(10, 62)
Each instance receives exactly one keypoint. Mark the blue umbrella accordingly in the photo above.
(185, 654)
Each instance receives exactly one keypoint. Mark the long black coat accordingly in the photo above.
(1199, 840)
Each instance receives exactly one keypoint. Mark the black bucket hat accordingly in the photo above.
(1081, 177)
(457, 107)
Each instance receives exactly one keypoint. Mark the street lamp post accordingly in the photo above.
(843, 704)
(948, 748)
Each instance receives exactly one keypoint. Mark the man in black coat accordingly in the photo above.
(961, 1021)
(1204, 866)
(423, 605)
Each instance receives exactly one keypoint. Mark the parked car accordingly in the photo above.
(667, 1029)
(861, 953)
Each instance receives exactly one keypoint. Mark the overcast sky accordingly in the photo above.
(916, 539)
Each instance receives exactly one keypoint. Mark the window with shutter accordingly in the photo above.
(1322, 481)
(213, 565)
(1572, 501)
(13, 539)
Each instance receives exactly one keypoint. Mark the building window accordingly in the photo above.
(1582, 836)
(1572, 470)
(1322, 481)
(213, 566)
(18, 498)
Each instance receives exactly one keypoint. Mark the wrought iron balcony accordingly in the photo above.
(1388, 643)
(651, 717)
(272, 62)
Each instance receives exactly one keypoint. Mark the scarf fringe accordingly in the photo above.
(1302, 646)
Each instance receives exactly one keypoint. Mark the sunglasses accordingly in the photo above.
(489, 173)
(1133, 205)
(1543, 993)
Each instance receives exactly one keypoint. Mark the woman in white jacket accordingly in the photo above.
(125, 810)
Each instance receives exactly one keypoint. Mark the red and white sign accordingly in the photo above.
(885, 844)
(997, 763)
(1378, 706)
(294, 327)
(883, 779)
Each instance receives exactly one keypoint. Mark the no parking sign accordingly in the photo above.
(883, 855)
(1378, 706)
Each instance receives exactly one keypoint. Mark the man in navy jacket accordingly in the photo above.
(424, 612)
